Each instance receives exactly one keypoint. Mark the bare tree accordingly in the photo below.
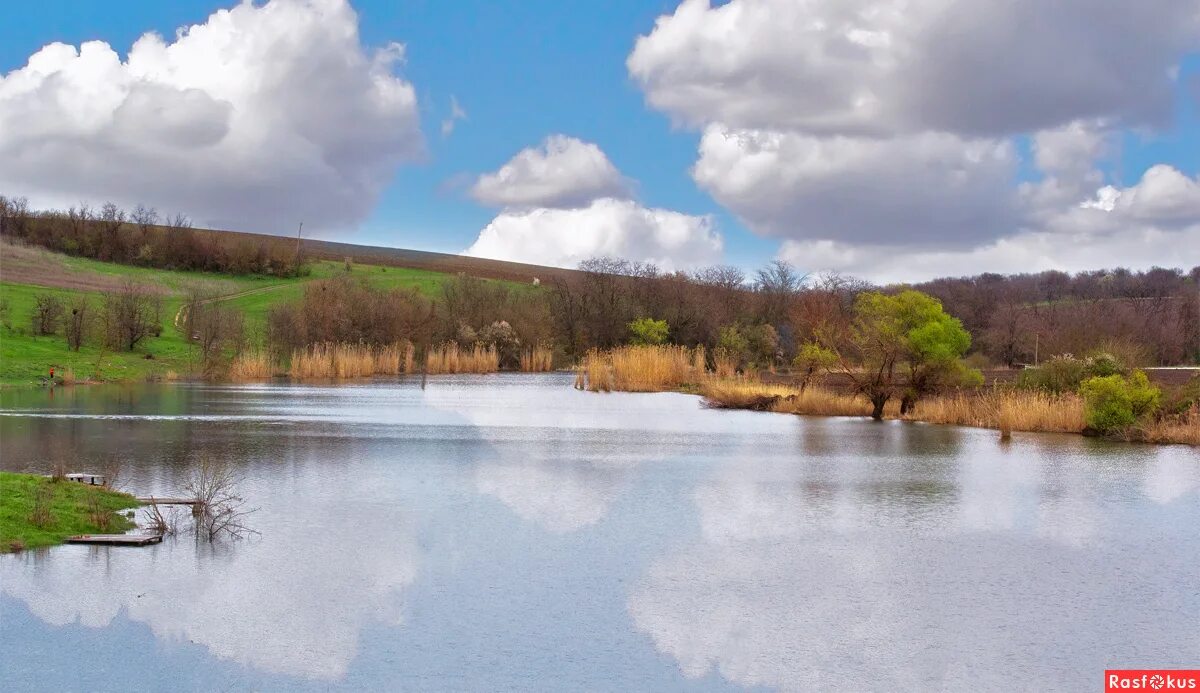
(47, 312)
(216, 329)
(179, 221)
(220, 512)
(131, 314)
(144, 217)
(78, 322)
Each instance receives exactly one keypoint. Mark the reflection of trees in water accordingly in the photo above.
(805, 585)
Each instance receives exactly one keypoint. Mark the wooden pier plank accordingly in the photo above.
(116, 539)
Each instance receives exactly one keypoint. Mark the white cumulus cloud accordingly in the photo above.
(610, 227)
(867, 134)
(990, 67)
(262, 116)
(561, 172)
(925, 188)
(564, 202)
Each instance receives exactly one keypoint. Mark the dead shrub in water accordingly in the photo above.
(220, 512)
(537, 360)
(450, 358)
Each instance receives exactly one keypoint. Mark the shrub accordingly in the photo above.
(1065, 373)
(1115, 402)
(47, 312)
(648, 331)
(811, 361)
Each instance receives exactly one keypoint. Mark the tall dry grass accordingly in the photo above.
(539, 359)
(341, 361)
(451, 358)
(724, 364)
(1004, 409)
(251, 365)
(638, 369)
(1184, 428)
(741, 393)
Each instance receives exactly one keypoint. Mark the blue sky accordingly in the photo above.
(820, 197)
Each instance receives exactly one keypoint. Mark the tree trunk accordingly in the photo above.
(877, 402)
(907, 402)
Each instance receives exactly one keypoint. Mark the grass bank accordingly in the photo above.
(39, 511)
(27, 272)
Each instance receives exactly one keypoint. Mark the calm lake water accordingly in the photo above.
(507, 532)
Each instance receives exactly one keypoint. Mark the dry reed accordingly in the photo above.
(539, 359)
(1005, 410)
(638, 369)
(451, 358)
(250, 365)
(1184, 428)
(740, 393)
(342, 361)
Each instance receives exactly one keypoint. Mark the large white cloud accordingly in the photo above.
(1143, 225)
(971, 66)
(561, 172)
(922, 188)
(609, 227)
(564, 202)
(881, 136)
(258, 118)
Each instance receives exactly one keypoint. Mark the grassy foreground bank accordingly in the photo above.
(40, 511)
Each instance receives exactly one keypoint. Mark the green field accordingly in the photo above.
(68, 509)
(26, 358)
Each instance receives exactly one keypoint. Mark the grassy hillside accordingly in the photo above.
(27, 272)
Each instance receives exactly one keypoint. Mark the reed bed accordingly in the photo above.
(539, 359)
(638, 369)
(741, 393)
(250, 365)
(1184, 428)
(1004, 409)
(451, 358)
(343, 361)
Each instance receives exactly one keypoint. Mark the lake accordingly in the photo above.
(510, 533)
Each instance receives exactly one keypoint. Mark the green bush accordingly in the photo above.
(1114, 402)
(1065, 373)
(648, 331)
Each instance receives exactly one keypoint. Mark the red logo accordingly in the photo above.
(1151, 680)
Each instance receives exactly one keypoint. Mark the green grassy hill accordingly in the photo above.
(27, 272)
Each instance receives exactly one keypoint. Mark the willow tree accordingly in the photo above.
(900, 344)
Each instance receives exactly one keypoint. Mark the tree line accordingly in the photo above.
(145, 238)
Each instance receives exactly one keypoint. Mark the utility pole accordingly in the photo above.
(1035, 348)
(298, 232)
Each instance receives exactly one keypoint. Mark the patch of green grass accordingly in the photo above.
(70, 509)
(26, 358)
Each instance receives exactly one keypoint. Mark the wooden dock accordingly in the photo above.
(116, 539)
(154, 500)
